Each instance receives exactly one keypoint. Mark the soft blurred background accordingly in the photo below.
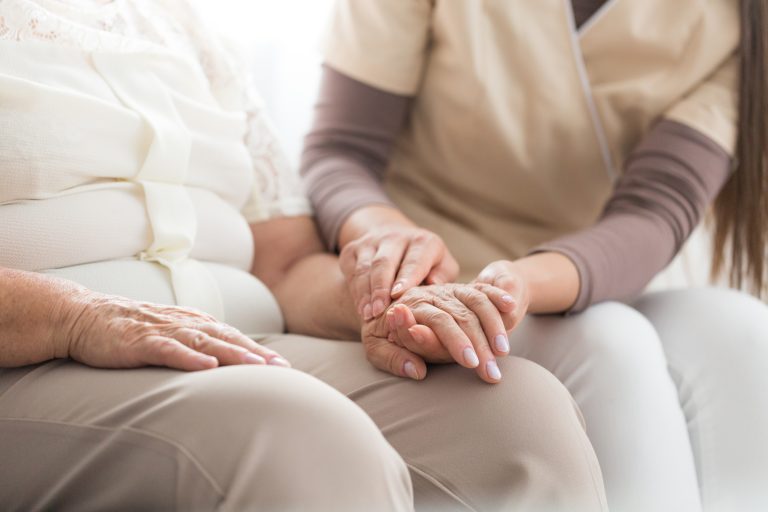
(281, 39)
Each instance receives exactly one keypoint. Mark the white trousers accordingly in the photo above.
(674, 391)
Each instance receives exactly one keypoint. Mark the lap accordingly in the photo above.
(467, 441)
(154, 438)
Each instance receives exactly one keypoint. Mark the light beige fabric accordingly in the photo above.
(246, 438)
(517, 445)
(521, 122)
(128, 131)
(241, 438)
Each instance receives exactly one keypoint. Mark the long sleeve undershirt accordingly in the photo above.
(668, 182)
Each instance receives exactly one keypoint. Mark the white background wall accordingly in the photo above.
(281, 39)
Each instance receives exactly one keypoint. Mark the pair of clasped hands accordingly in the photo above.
(412, 313)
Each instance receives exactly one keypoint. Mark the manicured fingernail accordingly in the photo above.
(502, 343)
(471, 357)
(378, 307)
(416, 335)
(279, 361)
(252, 358)
(367, 312)
(397, 288)
(410, 370)
(508, 299)
(493, 370)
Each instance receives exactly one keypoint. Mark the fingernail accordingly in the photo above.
(410, 370)
(378, 307)
(252, 358)
(397, 288)
(493, 370)
(508, 299)
(279, 361)
(416, 335)
(502, 343)
(471, 357)
(367, 312)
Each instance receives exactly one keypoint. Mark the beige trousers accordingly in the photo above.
(255, 438)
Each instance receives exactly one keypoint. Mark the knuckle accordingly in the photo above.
(381, 260)
(362, 269)
(465, 320)
(424, 237)
(438, 317)
(475, 299)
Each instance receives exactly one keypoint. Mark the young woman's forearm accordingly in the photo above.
(32, 309)
(552, 280)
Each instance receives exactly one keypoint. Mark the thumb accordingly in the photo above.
(491, 273)
(394, 359)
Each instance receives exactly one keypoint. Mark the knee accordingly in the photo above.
(537, 447)
(710, 322)
(615, 339)
(282, 425)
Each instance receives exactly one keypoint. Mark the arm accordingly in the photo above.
(669, 181)
(31, 317)
(323, 309)
(44, 318)
(383, 253)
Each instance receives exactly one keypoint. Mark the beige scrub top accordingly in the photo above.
(521, 122)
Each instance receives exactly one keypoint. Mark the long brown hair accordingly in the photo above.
(741, 209)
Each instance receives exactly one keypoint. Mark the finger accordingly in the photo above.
(424, 252)
(452, 337)
(360, 284)
(170, 353)
(383, 270)
(394, 359)
(225, 353)
(489, 317)
(467, 320)
(231, 335)
(506, 303)
(418, 338)
(446, 271)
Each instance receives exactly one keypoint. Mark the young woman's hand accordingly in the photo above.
(106, 331)
(386, 262)
(508, 276)
(384, 254)
(441, 324)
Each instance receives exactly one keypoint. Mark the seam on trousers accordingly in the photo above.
(181, 448)
(700, 456)
(585, 448)
(434, 481)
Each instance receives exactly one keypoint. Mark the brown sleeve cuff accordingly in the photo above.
(668, 183)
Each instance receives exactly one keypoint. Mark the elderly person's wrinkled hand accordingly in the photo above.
(462, 323)
(107, 331)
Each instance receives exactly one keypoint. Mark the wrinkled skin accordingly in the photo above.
(107, 331)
